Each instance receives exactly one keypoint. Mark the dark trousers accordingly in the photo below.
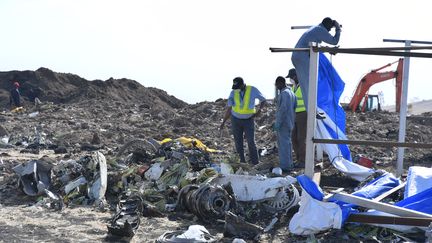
(246, 127)
(299, 136)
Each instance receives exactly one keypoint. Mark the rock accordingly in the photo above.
(96, 139)
(3, 131)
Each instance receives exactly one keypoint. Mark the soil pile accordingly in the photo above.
(122, 111)
(69, 88)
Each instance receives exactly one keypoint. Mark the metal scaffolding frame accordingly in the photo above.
(314, 49)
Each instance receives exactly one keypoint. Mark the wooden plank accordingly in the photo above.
(373, 143)
(379, 206)
(389, 192)
(394, 220)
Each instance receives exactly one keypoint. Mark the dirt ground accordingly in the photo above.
(89, 123)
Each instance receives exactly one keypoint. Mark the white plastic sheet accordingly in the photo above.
(353, 170)
(254, 188)
(418, 179)
(315, 216)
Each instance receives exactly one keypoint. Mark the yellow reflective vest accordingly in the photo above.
(300, 102)
(238, 108)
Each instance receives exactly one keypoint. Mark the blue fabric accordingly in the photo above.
(371, 190)
(316, 192)
(255, 95)
(378, 186)
(421, 202)
(330, 88)
(310, 187)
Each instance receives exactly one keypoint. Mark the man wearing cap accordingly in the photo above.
(15, 97)
(299, 130)
(285, 116)
(241, 109)
(300, 59)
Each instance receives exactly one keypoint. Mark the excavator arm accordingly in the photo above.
(375, 77)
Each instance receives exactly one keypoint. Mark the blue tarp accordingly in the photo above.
(330, 88)
(421, 202)
(371, 190)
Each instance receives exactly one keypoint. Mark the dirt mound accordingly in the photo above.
(70, 88)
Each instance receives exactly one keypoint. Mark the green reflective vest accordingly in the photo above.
(300, 102)
(238, 108)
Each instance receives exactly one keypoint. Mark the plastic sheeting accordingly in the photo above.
(330, 88)
(353, 170)
(418, 179)
(378, 186)
(314, 215)
(421, 202)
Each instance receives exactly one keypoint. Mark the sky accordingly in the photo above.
(194, 48)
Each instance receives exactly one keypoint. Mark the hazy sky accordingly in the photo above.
(194, 48)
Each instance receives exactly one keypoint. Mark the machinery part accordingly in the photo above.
(236, 226)
(127, 218)
(205, 201)
(34, 177)
(285, 199)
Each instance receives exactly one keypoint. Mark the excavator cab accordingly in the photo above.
(373, 103)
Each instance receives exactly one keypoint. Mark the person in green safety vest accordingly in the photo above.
(299, 131)
(241, 109)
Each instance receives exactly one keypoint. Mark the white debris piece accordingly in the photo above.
(254, 188)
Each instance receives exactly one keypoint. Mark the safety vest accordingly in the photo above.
(244, 110)
(300, 102)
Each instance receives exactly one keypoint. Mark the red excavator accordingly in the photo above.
(373, 77)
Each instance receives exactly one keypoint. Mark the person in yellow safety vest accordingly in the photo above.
(241, 109)
(299, 131)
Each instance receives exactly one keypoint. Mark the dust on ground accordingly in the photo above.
(106, 115)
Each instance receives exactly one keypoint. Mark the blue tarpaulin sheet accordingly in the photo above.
(330, 88)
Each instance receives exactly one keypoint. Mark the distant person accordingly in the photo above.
(15, 96)
(241, 109)
(285, 116)
(300, 59)
(299, 131)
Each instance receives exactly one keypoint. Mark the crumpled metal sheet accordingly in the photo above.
(254, 188)
(194, 234)
(35, 177)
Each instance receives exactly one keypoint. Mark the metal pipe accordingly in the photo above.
(403, 112)
(311, 111)
(300, 27)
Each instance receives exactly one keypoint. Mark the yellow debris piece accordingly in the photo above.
(18, 109)
(190, 143)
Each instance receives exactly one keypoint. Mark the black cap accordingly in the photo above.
(237, 83)
(291, 73)
(328, 23)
